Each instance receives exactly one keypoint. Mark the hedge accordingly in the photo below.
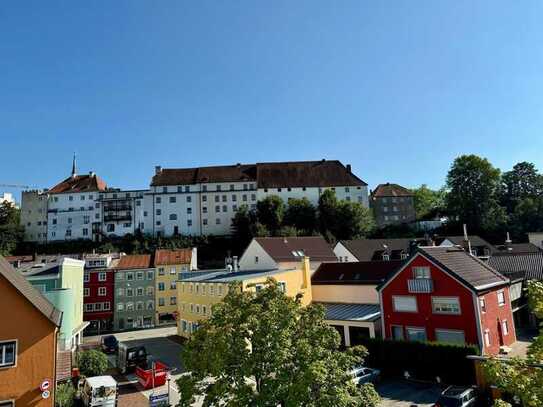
(423, 360)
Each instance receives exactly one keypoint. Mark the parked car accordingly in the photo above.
(98, 391)
(109, 344)
(364, 374)
(128, 358)
(456, 396)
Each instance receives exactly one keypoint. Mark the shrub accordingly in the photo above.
(423, 360)
(65, 395)
(92, 363)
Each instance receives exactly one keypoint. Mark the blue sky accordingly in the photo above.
(396, 88)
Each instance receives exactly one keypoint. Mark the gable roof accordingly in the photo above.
(459, 241)
(322, 173)
(471, 271)
(393, 190)
(281, 249)
(165, 257)
(20, 283)
(373, 249)
(525, 265)
(79, 183)
(134, 261)
(354, 273)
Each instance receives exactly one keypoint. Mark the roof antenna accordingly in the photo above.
(508, 240)
(466, 239)
(74, 170)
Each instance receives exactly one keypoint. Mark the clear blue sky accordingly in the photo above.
(396, 88)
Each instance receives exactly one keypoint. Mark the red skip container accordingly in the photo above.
(146, 379)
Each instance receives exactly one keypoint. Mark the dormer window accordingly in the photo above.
(421, 272)
(386, 256)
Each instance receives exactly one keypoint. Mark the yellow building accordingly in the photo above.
(169, 266)
(198, 294)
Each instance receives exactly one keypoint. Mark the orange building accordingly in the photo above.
(28, 342)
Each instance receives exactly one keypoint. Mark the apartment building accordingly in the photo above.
(198, 294)
(170, 266)
(28, 342)
(34, 215)
(203, 201)
(122, 211)
(392, 204)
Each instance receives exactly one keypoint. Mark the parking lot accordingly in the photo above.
(399, 393)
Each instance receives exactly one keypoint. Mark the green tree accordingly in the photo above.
(527, 217)
(327, 212)
(353, 221)
(472, 198)
(266, 349)
(244, 225)
(428, 202)
(92, 363)
(64, 395)
(270, 212)
(11, 232)
(523, 377)
(302, 215)
(522, 182)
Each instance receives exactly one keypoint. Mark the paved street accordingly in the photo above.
(398, 393)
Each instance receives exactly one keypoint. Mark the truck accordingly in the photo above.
(131, 357)
(98, 391)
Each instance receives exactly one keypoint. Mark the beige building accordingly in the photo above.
(348, 293)
(198, 294)
(170, 266)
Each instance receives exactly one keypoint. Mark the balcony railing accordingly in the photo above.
(115, 208)
(420, 285)
(119, 217)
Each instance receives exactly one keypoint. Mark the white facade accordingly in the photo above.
(34, 215)
(343, 254)
(256, 258)
(71, 215)
(355, 194)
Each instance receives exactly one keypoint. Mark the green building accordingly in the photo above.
(61, 282)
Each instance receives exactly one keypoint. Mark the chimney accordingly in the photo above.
(235, 263)
(306, 270)
(17, 263)
(158, 169)
(412, 247)
(508, 243)
(91, 173)
(349, 167)
(467, 243)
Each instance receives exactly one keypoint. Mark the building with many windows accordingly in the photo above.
(134, 293)
(197, 294)
(392, 204)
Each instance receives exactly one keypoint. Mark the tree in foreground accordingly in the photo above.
(11, 232)
(523, 377)
(92, 363)
(266, 349)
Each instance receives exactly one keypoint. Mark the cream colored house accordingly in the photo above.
(348, 292)
(198, 294)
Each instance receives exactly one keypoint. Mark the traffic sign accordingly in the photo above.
(156, 400)
(45, 385)
(45, 394)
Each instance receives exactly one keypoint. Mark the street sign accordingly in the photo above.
(45, 394)
(45, 385)
(156, 400)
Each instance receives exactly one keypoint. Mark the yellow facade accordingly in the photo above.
(197, 298)
(166, 291)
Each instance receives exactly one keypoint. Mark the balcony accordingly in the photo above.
(117, 208)
(420, 285)
(117, 217)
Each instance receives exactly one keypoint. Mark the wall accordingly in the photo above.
(36, 350)
(497, 314)
(93, 286)
(34, 216)
(63, 300)
(444, 286)
(343, 254)
(74, 212)
(248, 261)
(393, 210)
(72, 278)
(169, 279)
(536, 238)
(358, 294)
(147, 315)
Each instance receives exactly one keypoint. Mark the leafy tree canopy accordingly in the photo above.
(428, 202)
(522, 182)
(266, 349)
(270, 212)
(302, 215)
(92, 363)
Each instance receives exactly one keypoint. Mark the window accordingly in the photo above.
(404, 304)
(225, 208)
(120, 292)
(189, 199)
(505, 327)
(111, 227)
(102, 276)
(150, 290)
(482, 304)
(244, 197)
(217, 221)
(130, 306)
(158, 199)
(204, 222)
(129, 292)
(86, 277)
(172, 199)
(446, 305)
(234, 208)
(421, 272)
(253, 197)
(173, 285)
(416, 334)
(86, 292)
(173, 216)
(150, 305)
(397, 332)
(256, 259)
(120, 275)
(120, 306)
(161, 271)
(86, 219)
(139, 306)
(161, 302)
(129, 276)
(282, 286)
(487, 337)
(501, 298)
(445, 335)
(139, 275)
(217, 198)
(189, 222)
(102, 291)
(158, 212)
(88, 308)
(160, 286)
(98, 306)
(150, 274)
(217, 209)
(231, 187)
(224, 198)
(259, 287)
(107, 306)
(211, 289)
(139, 291)
(204, 310)
(173, 301)
(68, 232)
(219, 290)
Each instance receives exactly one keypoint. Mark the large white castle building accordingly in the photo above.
(186, 201)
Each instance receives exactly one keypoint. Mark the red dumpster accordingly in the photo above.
(146, 378)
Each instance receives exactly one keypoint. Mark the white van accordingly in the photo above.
(98, 391)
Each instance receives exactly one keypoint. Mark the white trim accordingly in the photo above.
(405, 296)
(383, 316)
(477, 310)
(68, 261)
(491, 285)
(442, 298)
(2, 367)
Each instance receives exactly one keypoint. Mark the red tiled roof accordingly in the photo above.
(134, 261)
(294, 174)
(281, 248)
(366, 272)
(386, 190)
(169, 257)
(79, 183)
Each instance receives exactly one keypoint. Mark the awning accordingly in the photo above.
(351, 312)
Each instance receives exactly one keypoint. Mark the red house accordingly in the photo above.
(445, 294)
(98, 293)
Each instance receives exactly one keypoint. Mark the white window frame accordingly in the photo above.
(421, 272)
(102, 291)
(482, 304)
(505, 327)
(100, 278)
(487, 337)
(282, 286)
(106, 306)
(445, 299)
(86, 292)
(501, 293)
(3, 345)
(394, 297)
(86, 277)
(415, 328)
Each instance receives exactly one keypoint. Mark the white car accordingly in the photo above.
(364, 374)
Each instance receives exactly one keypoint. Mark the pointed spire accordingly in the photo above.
(74, 169)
